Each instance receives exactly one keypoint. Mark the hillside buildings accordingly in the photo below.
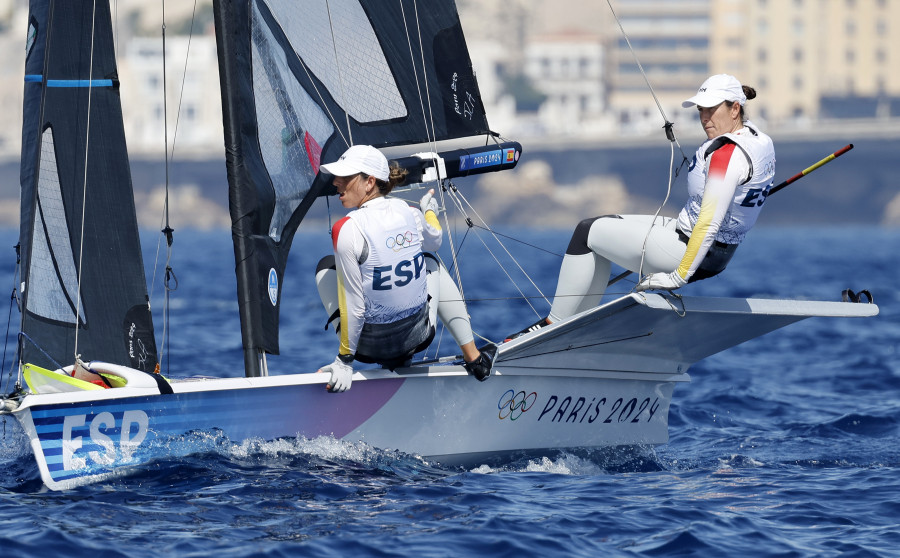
(547, 68)
(810, 60)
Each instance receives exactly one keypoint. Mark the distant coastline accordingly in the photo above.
(839, 130)
(571, 178)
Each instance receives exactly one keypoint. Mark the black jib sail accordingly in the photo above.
(303, 81)
(82, 274)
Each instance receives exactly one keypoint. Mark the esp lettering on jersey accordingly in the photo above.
(386, 277)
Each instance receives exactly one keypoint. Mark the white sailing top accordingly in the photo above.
(378, 250)
(729, 179)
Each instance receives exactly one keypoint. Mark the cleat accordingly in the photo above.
(481, 366)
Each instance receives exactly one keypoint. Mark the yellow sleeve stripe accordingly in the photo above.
(432, 219)
(698, 234)
(342, 305)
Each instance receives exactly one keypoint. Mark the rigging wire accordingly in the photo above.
(454, 253)
(187, 56)
(6, 344)
(429, 118)
(514, 239)
(447, 191)
(87, 141)
(14, 297)
(167, 230)
(340, 74)
(430, 134)
(668, 125)
(670, 134)
(170, 281)
(459, 199)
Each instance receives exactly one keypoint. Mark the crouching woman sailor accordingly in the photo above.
(729, 179)
(381, 283)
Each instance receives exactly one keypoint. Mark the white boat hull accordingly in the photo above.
(602, 378)
(441, 414)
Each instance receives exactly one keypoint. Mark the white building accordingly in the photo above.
(490, 64)
(193, 102)
(568, 68)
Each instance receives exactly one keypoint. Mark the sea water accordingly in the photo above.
(784, 446)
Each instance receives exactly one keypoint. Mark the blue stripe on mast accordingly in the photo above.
(33, 78)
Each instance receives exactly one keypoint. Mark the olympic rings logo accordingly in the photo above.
(512, 404)
(400, 241)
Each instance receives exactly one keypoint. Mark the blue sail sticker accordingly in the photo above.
(493, 158)
(479, 160)
(273, 287)
(37, 78)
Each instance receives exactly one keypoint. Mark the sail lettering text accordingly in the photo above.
(104, 430)
(492, 158)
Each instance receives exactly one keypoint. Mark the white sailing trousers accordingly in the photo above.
(598, 243)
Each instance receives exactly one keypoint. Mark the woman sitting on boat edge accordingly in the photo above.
(728, 181)
(381, 282)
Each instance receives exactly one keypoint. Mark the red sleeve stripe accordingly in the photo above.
(336, 230)
(718, 164)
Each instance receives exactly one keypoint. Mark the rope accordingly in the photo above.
(656, 215)
(576, 347)
(6, 341)
(644, 74)
(24, 336)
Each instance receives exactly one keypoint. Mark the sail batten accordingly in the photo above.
(52, 275)
(339, 39)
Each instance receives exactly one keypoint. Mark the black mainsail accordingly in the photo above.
(82, 274)
(303, 81)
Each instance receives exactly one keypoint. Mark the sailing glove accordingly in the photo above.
(661, 281)
(428, 203)
(341, 375)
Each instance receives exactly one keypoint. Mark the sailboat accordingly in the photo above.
(299, 86)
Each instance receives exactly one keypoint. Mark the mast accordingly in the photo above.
(226, 30)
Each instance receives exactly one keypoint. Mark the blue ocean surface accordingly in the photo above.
(788, 445)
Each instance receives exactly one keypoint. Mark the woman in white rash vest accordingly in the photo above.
(381, 282)
(728, 181)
